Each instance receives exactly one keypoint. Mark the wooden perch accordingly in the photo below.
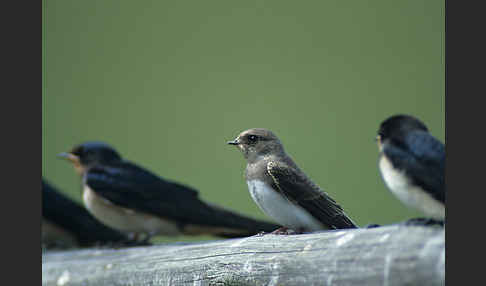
(391, 255)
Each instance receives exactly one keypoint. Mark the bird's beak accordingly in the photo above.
(234, 142)
(78, 166)
(378, 142)
(68, 156)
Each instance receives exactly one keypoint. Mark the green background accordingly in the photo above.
(167, 83)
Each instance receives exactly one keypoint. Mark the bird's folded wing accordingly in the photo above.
(132, 187)
(422, 157)
(302, 191)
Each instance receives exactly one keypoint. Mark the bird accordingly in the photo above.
(282, 190)
(134, 200)
(67, 224)
(411, 163)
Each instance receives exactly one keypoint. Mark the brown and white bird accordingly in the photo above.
(282, 190)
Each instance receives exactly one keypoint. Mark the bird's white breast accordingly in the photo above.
(281, 209)
(124, 219)
(410, 195)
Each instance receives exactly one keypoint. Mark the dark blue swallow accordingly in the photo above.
(411, 163)
(133, 200)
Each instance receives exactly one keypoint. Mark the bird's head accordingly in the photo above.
(395, 127)
(89, 154)
(257, 142)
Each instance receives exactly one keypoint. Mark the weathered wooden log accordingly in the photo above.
(391, 255)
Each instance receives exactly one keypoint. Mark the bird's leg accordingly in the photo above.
(421, 221)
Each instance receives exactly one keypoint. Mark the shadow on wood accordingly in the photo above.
(391, 255)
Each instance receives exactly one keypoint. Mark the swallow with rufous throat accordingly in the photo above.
(132, 199)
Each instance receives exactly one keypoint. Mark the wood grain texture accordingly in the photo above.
(391, 255)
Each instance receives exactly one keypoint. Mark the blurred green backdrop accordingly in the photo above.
(167, 83)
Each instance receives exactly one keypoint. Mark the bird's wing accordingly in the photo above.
(422, 157)
(135, 188)
(302, 191)
(130, 186)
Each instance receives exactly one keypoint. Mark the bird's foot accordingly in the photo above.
(125, 243)
(146, 240)
(133, 236)
(284, 231)
(261, 233)
(421, 221)
(372, 225)
(135, 239)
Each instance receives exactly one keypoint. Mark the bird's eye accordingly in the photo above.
(252, 138)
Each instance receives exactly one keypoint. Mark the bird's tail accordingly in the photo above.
(346, 222)
(229, 224)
